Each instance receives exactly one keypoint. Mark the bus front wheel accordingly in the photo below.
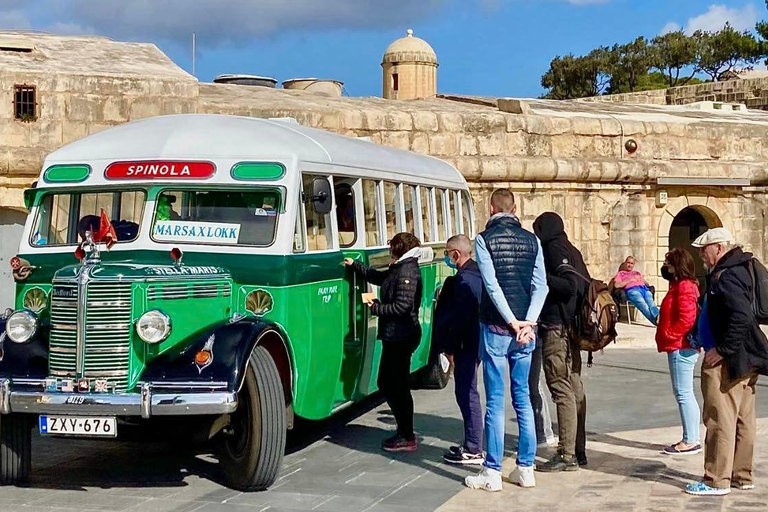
(15, 448)
(251, 448)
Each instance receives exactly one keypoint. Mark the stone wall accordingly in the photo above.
(753, 92)
(575, 165)
(71, 107)
(655, 97)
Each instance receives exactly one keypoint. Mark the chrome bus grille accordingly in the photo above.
(106, 351)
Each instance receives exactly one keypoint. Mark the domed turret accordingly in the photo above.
(410, 69)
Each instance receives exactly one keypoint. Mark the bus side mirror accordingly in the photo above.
(29, 196)
(321, 196)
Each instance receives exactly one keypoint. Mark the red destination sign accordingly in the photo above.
(159, 170)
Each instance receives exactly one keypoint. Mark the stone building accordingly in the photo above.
(410, 69)
(628, 179)
(54, 90)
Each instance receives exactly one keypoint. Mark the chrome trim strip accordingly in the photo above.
(62, 350)
(109, 350)
(63, 327)
(110, 303)
(146, 400)
(82, 303)
(5, 396)
(188, 385)
(109, 327)
(129, 404)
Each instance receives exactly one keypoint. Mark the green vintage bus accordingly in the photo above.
(224, 303)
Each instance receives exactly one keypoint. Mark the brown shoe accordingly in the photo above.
(398, 443)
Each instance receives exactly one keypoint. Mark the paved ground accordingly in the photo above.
(338, 465)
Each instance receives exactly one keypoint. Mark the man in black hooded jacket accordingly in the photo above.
(562, 357)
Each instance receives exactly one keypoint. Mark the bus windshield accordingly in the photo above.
(217, 217)
(64, 218)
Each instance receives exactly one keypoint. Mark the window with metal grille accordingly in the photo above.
(25, 102)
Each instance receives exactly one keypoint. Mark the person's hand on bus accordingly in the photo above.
(348, 262)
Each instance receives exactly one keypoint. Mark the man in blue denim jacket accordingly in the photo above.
(515, 286)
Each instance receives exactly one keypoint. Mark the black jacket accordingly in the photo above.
(738, 337)
(456, 324)
(566, 289)
(400, 294)
(513, 251)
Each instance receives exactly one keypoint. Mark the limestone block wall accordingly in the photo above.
(751, 91)
(71, 107)
(655, 97)
(574, 165)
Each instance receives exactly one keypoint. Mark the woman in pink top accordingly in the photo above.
(637, 289)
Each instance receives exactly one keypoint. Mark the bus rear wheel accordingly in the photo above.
(251, 449)
(15, 448)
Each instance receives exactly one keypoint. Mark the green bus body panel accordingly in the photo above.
(312, 298)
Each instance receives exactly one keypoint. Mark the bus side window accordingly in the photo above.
(425, 194)
(440, 212)
(371, 214)
(390, 209)
(409, 208)
(345, 214)
(466, 214)
(455, 220)
(319, 237)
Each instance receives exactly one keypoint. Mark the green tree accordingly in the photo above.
(762, 30)
(573, 77)
(671, 53)
(722, 51)
(630, 62)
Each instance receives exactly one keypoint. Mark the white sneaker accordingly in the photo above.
(523, 476)
(488, 479)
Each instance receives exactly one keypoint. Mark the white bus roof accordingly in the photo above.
(212, 137)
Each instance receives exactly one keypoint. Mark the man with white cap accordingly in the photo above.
(736, 351)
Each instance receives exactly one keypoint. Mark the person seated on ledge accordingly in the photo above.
(637, 289)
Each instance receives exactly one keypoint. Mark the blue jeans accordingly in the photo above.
(642, 298)
(497, 352)
(681, 366)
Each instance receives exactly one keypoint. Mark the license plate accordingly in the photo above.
(98, 426)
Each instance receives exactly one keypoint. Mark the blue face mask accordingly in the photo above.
(450, 263)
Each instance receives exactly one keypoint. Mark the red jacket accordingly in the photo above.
(677, 315)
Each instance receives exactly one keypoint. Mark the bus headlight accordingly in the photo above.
(21, 326)
(153, 326)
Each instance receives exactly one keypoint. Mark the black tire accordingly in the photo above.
(15, 448)
(436, 374)
(251, 449)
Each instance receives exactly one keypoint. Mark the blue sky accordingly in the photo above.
(485, 47)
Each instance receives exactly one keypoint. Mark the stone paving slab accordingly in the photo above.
(626, 472)
(338, 465)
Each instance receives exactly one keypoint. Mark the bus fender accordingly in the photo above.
(231, 345)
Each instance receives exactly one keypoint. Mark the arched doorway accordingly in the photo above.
(687, 225)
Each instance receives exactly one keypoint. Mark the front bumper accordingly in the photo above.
(155, 399)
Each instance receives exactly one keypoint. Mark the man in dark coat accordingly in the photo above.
(561, 355)
(736, 352)
(456, 332)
